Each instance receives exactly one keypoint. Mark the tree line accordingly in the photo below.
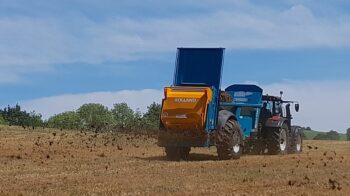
(330, 135)
(92, 116)
(96, 117)
(18, 117)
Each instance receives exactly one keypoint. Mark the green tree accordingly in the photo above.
(94, 116)
(151, 117)
(35, 120)
(124, 116)
(2, 120)
(138, 122)
(16, 116)
(348, 134)
(65, 120)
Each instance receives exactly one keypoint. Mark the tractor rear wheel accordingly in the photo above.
(177, 153)
(229, 141)
(297, 142)
(278, 141)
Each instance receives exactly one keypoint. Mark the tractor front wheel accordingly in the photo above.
(229, 141)
(297, 142)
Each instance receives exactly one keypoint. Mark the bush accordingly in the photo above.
(94, 116)
(16, 116)
(124, 117)
(321, 136)
(2, 120)
(331, 135)
(348, 134)
(151, 117)
(65, 120)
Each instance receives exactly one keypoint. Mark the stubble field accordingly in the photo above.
(55, 162)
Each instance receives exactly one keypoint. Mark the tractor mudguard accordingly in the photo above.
(224, 115)
(275, 123)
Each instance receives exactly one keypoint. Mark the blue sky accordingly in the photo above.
(56, 55)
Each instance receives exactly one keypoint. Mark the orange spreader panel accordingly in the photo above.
(185, 108)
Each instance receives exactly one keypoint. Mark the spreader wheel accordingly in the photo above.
(229, 141)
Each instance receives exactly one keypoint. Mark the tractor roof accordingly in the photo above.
(271, 98)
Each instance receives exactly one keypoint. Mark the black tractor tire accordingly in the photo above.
(177, 153)
(229, 141)
(277, 141)
(297, 142)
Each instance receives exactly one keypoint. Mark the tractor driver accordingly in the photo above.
(265, 113)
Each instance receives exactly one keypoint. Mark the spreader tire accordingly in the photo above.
(229, 141)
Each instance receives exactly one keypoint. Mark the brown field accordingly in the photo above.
(54, 162)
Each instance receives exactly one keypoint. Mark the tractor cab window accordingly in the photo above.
(266, 110)
(278, 109)
(267, 105)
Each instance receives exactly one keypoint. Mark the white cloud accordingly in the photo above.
(50, 106)
(324, 105)
(37, 44)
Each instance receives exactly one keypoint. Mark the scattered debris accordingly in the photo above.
(292, 182)
(101, 155)
(334, 185)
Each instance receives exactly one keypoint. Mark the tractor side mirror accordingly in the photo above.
(297, 107)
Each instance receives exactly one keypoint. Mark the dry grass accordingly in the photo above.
(53, 162)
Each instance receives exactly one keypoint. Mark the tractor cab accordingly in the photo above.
(275, 109)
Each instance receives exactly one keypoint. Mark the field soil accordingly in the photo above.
(55, 162)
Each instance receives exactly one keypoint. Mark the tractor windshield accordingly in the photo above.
(199, 67)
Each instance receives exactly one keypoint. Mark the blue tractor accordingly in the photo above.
(240, 119)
